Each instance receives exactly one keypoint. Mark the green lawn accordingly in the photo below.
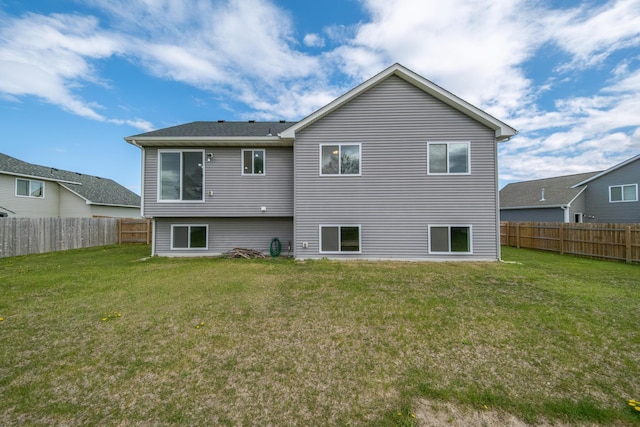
(104, 336)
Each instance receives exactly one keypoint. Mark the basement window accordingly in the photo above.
(189, 236)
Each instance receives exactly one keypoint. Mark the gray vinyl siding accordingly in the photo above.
(578, 206)
(532, 215)
(226, 234)
(597, 196)
(395, 201)
(29, 207)
(234, 194)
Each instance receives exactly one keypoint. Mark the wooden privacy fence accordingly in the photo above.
(24, 236)
(605, 241)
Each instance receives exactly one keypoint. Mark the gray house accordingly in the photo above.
(396, 168)
(609, 196)
(28, 190)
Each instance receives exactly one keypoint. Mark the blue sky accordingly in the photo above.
(76, 77)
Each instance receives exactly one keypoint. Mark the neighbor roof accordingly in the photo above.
(558, 191)
(611, 169)
(502, 130)
(93, 189)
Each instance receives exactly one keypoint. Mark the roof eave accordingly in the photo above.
(533, 207)
(204, 141)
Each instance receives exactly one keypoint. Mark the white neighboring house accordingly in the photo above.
(33, 191)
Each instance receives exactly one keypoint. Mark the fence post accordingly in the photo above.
(627, 240)
(518, 235)
(508, 234)
(561, 237)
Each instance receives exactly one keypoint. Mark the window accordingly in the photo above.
(29, 188)
(623, 193)
(449, 239)
(448, 158)
(189, 236)
(339, 238)
(341, 159)
(253, 162)
(181, 176)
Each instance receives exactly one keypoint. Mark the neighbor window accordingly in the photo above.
(339, 238)
(449, 239)
(29, 188)
(448, 158)
(189, 236)
(340, 159)
(623, 193)
(253, 162)
(181, 175)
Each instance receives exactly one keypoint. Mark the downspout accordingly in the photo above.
(565, 208)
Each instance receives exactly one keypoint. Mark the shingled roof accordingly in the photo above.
(220, 128)
(557, 192)
(95, 190)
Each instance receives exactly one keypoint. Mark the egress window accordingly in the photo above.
(340, 159)
(253, 162)
(29, 188)
(181, 176)
(448, 158)
(339, 239)
(623, 193)
(189, 236)
(449, 239)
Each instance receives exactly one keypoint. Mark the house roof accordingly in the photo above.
(611, 169)
(558, 191)
(93, 189)
(502, 130)
(203, 132)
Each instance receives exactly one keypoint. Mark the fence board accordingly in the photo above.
(23, 236)
(604, 241)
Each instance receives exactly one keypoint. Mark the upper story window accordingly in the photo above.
(340, 159)
(253, 162)
(181, 175)
(623, 193)
(29, 188)
(448, 158)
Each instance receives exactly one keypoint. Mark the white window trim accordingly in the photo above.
(622, 188)
(468, 143)
(469, 226)
(264, 161)
(206, 226)
(29, 196)
(159, 182)
(359, 144)
(321, 226)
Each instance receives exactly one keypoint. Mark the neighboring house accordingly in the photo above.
(609, 196)
(397, 168)
(28, 190)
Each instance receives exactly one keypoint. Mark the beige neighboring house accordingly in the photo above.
(33, 191)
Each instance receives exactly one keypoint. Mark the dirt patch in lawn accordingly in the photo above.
(429, 413)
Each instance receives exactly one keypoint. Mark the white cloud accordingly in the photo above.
(46, 57)
(313, 40)
(592, 34)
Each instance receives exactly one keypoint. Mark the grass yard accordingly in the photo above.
(102, 336)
